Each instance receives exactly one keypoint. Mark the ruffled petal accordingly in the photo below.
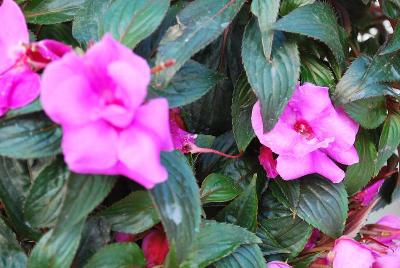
(91, 148)
(347, 157)
(350, 253)
(324, 166)
(140, 154)
(291, 167)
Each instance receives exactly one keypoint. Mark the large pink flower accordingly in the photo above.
(349, 253)
(19, 60)
(309, 134)
(107, 127)
(278, 264)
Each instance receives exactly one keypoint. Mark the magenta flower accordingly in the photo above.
(369, 193)
(268, 162)
(182, 140)
(390, 260)
(349, 253)
(278, 264)
(309, 134)
(19, 60)
(98, 99)
(393, 222)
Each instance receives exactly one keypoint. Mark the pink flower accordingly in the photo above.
(155, 248)
(268, 162)
(122, 237)
(393, 222)
(308, 134)
(182, 140)
(312, 241)
(19, 60)
(390, 260)
(278, 264)
(349, 253)
(98, 99)
(368, 194)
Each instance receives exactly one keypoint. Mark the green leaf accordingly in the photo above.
(317, 72)
(391, 8)
(52, 11)
(306, 261)
(242, 106)
(389, 140)
(218, 188)
(215, 241)
(266, 12)
(29, 136)
(44, 201)
(95, 235)
(272, 80)
(178, 202)
(243, 210)
(366, 77)
(249, 256)
(33, 107)
(358, 175)
(317, 21)
(369, 113)
(133, 214)
(83, 194)
(317, 201)
(56, 249)
(280, 229)
(118, 256)
(394, 43)
(132, 21)
(288, 6)
(60, 32)
(88, 23)
(188, 85)
(199, 24)
(11, 254)
(14, 179)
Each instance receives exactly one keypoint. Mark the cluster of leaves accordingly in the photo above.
(215, 211)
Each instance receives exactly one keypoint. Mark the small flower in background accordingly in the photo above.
(312, 241)
(121, 237)
(268, 162)
(107, 126)
(20, 60)
(278, 264)
(349, 253)
(369, 193)
(183, 140)
(155, 247)
(308, 134)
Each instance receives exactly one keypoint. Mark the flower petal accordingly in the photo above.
(140, 154)
(13, 32)
(26, 88)
(347, 157)
(154, 118)
(268, 162)
(91, 148)
(324, 166)
(350, 253)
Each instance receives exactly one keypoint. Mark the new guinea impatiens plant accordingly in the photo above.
(199, 133)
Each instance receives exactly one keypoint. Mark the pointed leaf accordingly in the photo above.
(11, 254)
(389, 140)
(369, 113)
(218, 188)
(249, 256)
(52, 11)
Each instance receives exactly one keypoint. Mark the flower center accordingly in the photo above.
(302, 127)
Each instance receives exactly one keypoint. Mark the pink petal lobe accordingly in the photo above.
(324, 166)
(155, 248)
(367, 195)
(350, 253)
(140, 154)
(268, 162)
(13, 33)
(91, 148)
(278, 264)
(291, 167)
(154, 118)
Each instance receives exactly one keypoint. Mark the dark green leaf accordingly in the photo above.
(273, 80)
(243, 210)
(133, 214)
(83, 194)
(391, 8)
(358, 175)
(369, 113)
(266, 12)
(306, 261)
(132, 21)
(11, 254)
(33, 107)
(317, 201)
(199, 24)
(242, 105)
(281, 231)
(188, 85)
(249, 256)
(178, 202)
(317, 21)
(52, 11)
(14, 181)
(95, 235)
(394, 43)
(366, 77)
(215, 241)
(118, 256)
(44, 201)
(56, 249)
(88, 24)
(60, 32)
(29, 136)
(288, 6)
(389, 140)
(218, 188)
(316, 72)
